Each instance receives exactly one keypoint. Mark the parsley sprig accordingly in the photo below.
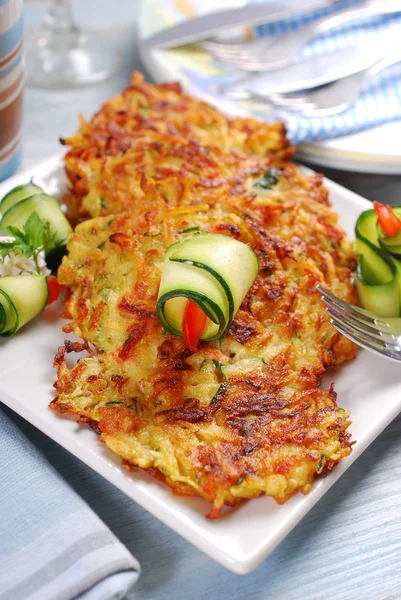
(34, 237)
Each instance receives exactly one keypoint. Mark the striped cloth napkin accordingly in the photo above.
(52, 546)
(380, 101)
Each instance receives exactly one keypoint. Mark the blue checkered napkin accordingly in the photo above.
(380, 101)
(52, 546)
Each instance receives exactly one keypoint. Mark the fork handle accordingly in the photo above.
(286, 47)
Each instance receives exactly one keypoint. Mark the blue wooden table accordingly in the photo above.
(349, 546)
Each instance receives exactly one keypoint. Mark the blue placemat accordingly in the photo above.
(52, 545)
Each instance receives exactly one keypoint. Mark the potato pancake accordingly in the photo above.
(241, 416)
(186, 152)
(148, 116)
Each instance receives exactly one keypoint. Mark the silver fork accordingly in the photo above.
(381, 335)
(329, 99)
(273, 53)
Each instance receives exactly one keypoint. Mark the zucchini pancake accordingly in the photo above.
(243, 415)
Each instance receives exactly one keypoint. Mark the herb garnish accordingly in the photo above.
(30, 241)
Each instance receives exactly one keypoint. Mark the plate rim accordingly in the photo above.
(170, 516)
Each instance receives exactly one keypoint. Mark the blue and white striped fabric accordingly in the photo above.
(380, 101)
(52, 546)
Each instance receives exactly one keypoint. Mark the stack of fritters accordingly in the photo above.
(241, 416)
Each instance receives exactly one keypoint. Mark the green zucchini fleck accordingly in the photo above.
(219, 395)
(268, 179)
(320, 464)
(188, 229)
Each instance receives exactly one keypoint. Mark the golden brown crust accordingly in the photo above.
(258, 418)
(160, 119)
(240, 417)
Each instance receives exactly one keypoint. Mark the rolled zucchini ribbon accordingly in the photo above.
(214, 271)
(22, 298)
(378, 275)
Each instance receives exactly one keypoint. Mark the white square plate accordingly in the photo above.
(370, 387)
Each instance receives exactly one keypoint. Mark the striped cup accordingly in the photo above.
(11, 85)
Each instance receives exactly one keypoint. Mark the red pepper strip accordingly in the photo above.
(54, 289)
(193, 324)
(388, 221)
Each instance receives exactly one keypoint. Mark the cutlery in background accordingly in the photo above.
(270, 52)
(200, 28)
(330, 99)
(303, 75)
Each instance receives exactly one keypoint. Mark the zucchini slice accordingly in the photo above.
(391, 244)
(214, 271)
(48, 209)
(22, 298)
(19, 193)
(378, 276)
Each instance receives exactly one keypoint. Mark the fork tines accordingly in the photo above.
(362, 327)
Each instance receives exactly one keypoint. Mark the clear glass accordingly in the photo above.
(61, 55)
